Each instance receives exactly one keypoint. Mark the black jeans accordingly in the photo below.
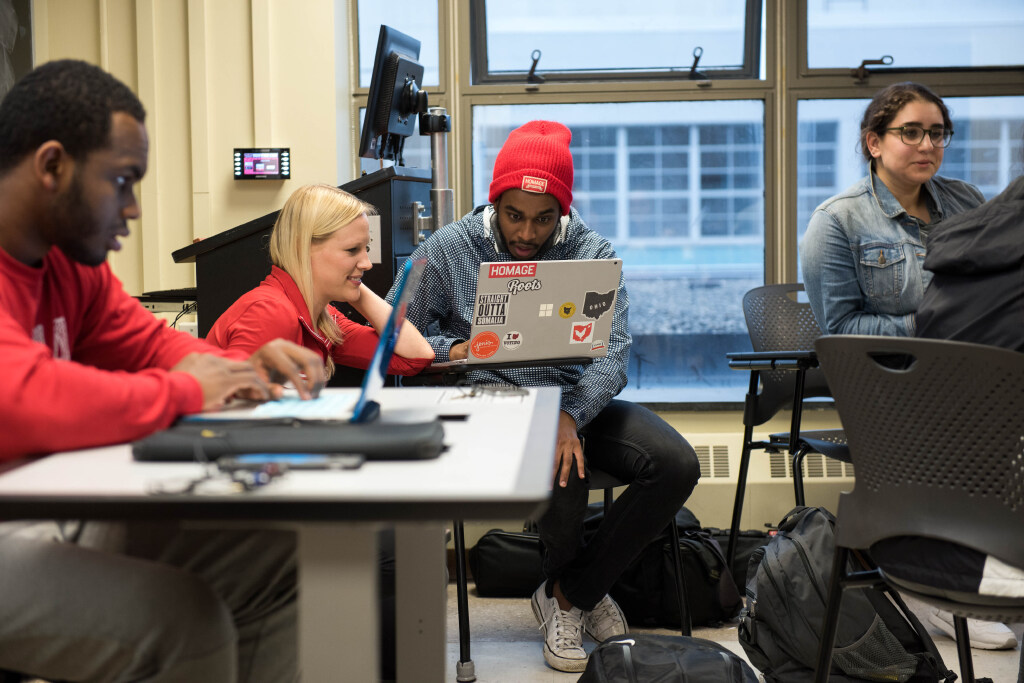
(636, 446)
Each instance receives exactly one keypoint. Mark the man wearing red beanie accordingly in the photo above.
(530, 218)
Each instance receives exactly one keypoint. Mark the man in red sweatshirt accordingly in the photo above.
(83, 364)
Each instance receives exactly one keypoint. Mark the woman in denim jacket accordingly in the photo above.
(863, 254)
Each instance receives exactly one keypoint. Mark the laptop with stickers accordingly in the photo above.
(543, 310)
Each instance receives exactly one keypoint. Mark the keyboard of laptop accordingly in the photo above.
(324, 407)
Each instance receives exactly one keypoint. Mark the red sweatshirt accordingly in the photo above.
(276, 309)
(82, 363)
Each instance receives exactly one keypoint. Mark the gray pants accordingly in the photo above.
(148, 602)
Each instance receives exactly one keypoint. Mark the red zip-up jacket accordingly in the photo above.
(276, 309)
(82, 363)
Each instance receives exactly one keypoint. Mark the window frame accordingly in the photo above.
(480, 74)
(787, 80)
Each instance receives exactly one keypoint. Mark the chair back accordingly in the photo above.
(936, 432)
(776, 321)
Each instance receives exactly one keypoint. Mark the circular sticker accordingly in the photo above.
(484, 345)
(567, 310)
(512, 340)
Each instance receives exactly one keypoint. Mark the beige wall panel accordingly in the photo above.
(164, 89)
(302, 83)
(229, 96)
(119, 55)
(73, 29)
(284, 97)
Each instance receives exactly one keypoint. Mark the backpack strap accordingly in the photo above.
(940, 667)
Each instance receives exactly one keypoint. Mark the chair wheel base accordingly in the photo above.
(465, 671)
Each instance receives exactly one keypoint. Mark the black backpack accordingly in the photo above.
(647, 589)
(787, 593)
(648, 658)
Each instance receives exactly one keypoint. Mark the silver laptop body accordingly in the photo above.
(542, 310)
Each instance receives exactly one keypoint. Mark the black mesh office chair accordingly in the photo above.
(777, 322)
(936, 431)
(599, 481)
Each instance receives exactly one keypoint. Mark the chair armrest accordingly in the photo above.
(772, 360)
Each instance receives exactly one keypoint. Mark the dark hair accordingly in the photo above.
(888, 102)
(66, 100)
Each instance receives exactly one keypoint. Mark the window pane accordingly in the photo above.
(689, 251)
(585, 35)
(939, 33)
(415, 18)
(986, 149)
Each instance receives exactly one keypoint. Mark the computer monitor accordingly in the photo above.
(395, 96)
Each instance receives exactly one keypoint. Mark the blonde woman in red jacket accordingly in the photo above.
(319, 252)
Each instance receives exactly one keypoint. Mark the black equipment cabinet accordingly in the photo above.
(232, 262)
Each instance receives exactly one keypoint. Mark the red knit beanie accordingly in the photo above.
(535, 158)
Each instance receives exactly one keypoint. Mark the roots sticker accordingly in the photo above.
(545, 310)
(484, 345)
(491, 309)
(597, 304)
(512, 341)
(567, 310)
(582, 333)
(515, 286)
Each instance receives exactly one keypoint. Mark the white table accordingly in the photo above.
(498, 464)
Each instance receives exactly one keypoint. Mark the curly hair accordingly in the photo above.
(888, 102)
(67, 100)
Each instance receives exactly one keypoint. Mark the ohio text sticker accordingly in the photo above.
(597, 345)
(597, 304)
(484, 345)
(491, 309)
(582, 333)
(567, 310)
(545, 310)
(512, 341)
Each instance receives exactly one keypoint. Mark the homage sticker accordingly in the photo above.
(484, 345)
(597, 304)
(582, 333)
(491, 309)
(567, 310)
(512, 341)
(524, 269)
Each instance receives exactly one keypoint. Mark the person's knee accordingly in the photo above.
(190, 623)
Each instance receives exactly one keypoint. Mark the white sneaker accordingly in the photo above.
(605, 621)
(984, 635)
(563, 633)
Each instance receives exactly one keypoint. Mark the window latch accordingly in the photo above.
(698, 75)
(861, 73)
(533, 76)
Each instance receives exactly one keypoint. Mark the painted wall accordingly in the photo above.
(213, 75)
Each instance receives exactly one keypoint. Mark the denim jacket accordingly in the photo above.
(863, 256)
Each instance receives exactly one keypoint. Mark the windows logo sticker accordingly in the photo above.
(546, 310)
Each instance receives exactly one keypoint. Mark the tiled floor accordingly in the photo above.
(506, 645)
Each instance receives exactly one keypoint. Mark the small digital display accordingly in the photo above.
(269, 163)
